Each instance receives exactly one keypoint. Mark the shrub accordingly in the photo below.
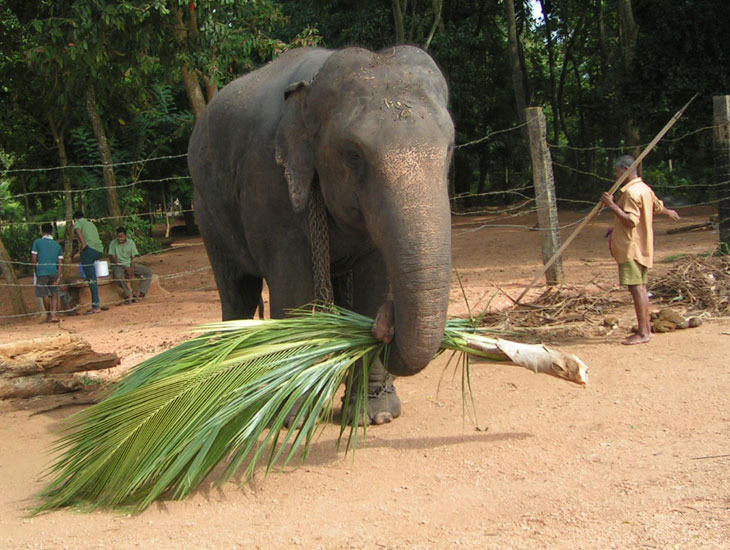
(18, 240)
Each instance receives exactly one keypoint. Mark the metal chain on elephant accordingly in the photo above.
(319, 241)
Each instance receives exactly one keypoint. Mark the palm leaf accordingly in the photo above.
(224, 396)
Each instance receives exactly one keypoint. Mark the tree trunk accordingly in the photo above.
(721, 145)
(25, 197)
(483, 174)
(400, 31)
(546, 7)
(167, 214)
(60, 142)
(437, 7)
(110, 181)
(412, 30)
(211, 88)
(14, 290)
(629, 31)
(602, 40)
(515, 60)
(44, 366)
(195, 94)
(182, 31)
(572, 38)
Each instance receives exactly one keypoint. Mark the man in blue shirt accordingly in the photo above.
(47, 259)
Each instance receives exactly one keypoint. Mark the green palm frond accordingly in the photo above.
(224, 396)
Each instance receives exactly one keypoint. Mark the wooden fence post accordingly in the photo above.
(721, 108)
(544, 182)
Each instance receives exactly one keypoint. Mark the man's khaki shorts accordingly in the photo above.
(45, 286)
(633, 273)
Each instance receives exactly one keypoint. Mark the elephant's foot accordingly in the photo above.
(382, 407)
(291, 417)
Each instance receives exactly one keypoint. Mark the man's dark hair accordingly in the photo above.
(47, 229)
(122, 230)
(78, 215)
(625, 161)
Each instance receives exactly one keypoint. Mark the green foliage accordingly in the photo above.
(90, 381)
(133, 53)
(10, 208)
(602, 93)
(675, 184)
(224, 396)
(18, 240)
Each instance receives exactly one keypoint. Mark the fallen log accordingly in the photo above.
(45, 366)
(687, 228)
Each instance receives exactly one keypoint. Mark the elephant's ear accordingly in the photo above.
(294, 145)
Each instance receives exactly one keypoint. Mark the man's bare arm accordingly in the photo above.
(80, 237)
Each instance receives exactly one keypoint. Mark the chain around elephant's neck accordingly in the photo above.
(320, 243)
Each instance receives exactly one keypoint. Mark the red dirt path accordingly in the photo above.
(639, 459)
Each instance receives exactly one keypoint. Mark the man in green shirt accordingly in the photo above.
(47, 259)
(91, 250)
(123, 253)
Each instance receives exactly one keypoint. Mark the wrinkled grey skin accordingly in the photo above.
(373, 129)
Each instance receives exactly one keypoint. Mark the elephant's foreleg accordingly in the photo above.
(290, 280)
(369, 293)
(383, 403)
(240, 293)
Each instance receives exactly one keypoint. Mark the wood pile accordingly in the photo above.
(46, 366)
(699, 284)
(558, 305)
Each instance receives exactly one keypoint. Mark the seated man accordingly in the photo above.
(122, 253)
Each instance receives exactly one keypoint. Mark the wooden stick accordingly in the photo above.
(686, 228)
(611, 191)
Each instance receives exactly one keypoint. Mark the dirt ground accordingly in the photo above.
(638, 459)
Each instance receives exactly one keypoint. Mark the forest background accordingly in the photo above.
(98, 97)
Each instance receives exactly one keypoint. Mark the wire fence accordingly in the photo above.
(521, 192)
(107, 280)
(498, 206)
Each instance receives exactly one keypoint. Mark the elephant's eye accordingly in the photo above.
(353, 158)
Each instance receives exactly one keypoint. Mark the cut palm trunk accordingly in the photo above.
(536, 357)
(223, 397)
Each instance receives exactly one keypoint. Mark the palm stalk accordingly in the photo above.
(223, 397)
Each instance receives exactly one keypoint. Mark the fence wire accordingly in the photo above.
(498, 216)
(98, 165)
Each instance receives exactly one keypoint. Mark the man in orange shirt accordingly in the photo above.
(632, 240)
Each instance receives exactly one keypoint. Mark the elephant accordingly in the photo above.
(366, 135)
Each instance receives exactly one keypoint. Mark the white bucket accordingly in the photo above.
(102, 268)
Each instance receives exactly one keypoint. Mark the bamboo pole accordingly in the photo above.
(614, 188)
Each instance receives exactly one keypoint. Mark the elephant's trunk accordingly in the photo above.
(421, 299)
(415, 241)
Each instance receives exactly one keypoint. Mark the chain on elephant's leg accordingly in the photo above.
(383, 403)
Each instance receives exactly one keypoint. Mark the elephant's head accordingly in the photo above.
(375, 130)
